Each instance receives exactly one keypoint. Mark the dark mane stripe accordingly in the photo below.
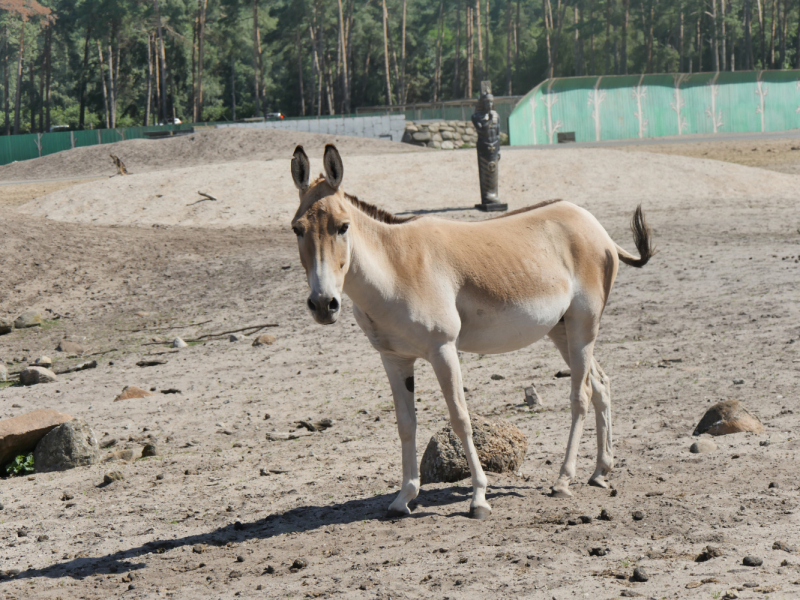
(378, 213)
(526, 209)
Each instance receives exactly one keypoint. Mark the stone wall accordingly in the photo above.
(446, 135)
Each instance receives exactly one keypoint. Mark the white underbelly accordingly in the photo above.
(494, 330)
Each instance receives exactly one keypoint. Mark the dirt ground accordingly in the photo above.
(717, 304)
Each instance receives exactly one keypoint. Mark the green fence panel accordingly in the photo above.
(55, 142)
(648, 106)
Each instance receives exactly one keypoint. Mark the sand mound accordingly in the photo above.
(262, 193)
(201, 148)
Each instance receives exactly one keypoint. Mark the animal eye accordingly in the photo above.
(343, 228)
(297, 231)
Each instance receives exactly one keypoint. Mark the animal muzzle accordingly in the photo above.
(325, 309)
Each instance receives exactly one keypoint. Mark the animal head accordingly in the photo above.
(321, 226)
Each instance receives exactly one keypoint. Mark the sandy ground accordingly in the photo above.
(718, 303)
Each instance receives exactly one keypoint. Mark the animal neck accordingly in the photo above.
(371, 276)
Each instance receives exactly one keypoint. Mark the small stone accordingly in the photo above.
(179, 343)
(112, 476)
(708, 553)
(564, 373)
(269, 570)
(448, 144)
(160, 477)
(235, 574)
(236, 337)
(638, 515)
(752, 561)
(6, 326)
(108, 443)
(266, 416)
(240, 559)
(702, 446)
(23, 532)
(28, 319)
(70, 347)
(238, 526)
(764, 443)
(198, 549)
(36, 375)
(598, 551)
(738, 382)
(66, 496)
(264, 340)
(532, 398)
(299, 563)
(573, 522)
(44, 361)
(639, 575)
(264, 472)
(497, 377)
(42, 538)
(605, 515)
(731, 594)
(585, 519)
(130, 392)
(773, 485)
(149, 450)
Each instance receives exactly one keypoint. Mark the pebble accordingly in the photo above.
(640, 575)
(269, 570)
(299, 563)
(240, 558)
(497, 377)
(585, 519)
(764, 443)
(44, 361)
(598, 551)
(638, 515)
(708, 553)
(42, 538)
(66, 496)
(198, 549)
(564, 373)
(702, 446)
(531, 397)
(236, 337)
(149, 450)
(112, 476)
(773, 485)
(573, 522)
(605, 515)
(752, 561)
(179, 343)
(731, 594)
(160, 476)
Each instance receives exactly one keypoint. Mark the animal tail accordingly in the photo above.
(641, 237)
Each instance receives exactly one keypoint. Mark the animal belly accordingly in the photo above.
(490, 330)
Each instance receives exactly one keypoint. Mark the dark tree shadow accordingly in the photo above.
(300, 519)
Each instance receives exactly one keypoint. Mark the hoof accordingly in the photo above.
(398, 512)
(598, 482)
(480, 512)
(560, 492)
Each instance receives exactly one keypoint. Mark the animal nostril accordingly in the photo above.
(333, 305)
(311, 304)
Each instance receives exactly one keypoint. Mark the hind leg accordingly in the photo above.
(601, 399)
(575, 340)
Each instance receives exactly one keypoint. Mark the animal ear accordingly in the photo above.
(300, 169)
(334, 169)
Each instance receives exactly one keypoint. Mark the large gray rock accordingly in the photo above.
(421, 136)
(34, 375)
(729, 416)
(501, 448)
(5, 326)
(19, 435)
(30, 318)
(72, 444)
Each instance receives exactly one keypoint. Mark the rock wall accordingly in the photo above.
(446, 135)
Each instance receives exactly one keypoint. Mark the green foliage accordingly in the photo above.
(21, 465)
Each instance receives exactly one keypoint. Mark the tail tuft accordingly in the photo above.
(641, 237)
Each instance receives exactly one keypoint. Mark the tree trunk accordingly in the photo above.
(42, 71)
(343, 49)
(680, 42)
(112, 96)
(772, 36)
(101, 62)
(82, 85)
(162, 63)
(458, 51)
(316, 71)
(576, 52)
(48, 76)
(300, 75)
(437, 76)
(480, 39)
(748, 34)
(700, 42)
(256, 61)
(623, 59)
(488, 43)
(797, 53)
(366, 71)
(233, 89)
(32, 94)
(18, 95)
(201, 36)
(723, 36)
(470, 53)
(403, 89)
(195, 27)
(516, 39)
(149, 94)
(6, 103)
(548, 26)
(591, 39)
(159, 86)
(715, 47)
(508, 49)
(386, 54)
(608, 37)
(762, 34)
(650, 38)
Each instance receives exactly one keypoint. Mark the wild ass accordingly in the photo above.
(428, 287)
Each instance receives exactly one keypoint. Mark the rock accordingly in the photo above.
(497, 377)
(19, 435)
(36, 375)
(236, 337)
(773, 485)
(563, 373)
(752, 561)
(605, 515)
(702, 446)
(70, 347)
(71, 444)
(3, 371)
(92, 364)
(108, 443)
(44, 361)
(638, 515)
(447, 145)
(66, 496)
(585, 519)
(299, 563)
(598, 551)
(264, 340)
(5, 326)
(708, 553)
(501, 448)
(112, 476)
(421, 136)
(240, 558)
(28, 319)
(131, 391)
(731, 594)
(447, 135)
(532, 398)
(727, 417)
(179, 343)
(151, 363)
(126, 455)
(640, 575)
(149, 450)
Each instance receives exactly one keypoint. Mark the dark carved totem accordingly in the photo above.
(487, 125)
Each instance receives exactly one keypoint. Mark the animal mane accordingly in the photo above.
(378, 213)
(526, 209)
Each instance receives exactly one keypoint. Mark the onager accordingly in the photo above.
(424, 288)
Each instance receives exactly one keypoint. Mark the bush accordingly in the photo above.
(21, 465)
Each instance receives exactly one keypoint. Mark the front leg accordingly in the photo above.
(445, 364)
(401, 377)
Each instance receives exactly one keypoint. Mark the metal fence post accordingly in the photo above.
(99, 139)
(72, 140)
